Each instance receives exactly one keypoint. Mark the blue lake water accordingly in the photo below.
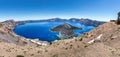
(41, 30)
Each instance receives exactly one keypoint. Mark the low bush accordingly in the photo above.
(19, 56)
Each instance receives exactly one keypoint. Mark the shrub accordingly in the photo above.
(85, 46)
(38, 52)
(55, 55)
(46, 50)
(19, 56)
(32, 54)
(66, 48)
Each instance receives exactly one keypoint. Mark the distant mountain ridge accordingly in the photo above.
(86, 22)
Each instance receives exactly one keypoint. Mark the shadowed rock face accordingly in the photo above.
(65, 30)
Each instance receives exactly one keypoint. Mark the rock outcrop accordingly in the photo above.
(65, 30)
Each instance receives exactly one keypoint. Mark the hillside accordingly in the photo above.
(7, 34)
(108, 45)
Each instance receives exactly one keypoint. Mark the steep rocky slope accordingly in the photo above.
(108, 45)
(110, 34)
(7, 34)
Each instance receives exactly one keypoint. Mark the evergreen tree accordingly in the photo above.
(118, 19)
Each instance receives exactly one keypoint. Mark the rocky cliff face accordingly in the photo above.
(7, 34)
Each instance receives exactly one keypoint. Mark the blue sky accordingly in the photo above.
(102, 10)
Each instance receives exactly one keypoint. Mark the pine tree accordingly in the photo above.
(118, 19)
